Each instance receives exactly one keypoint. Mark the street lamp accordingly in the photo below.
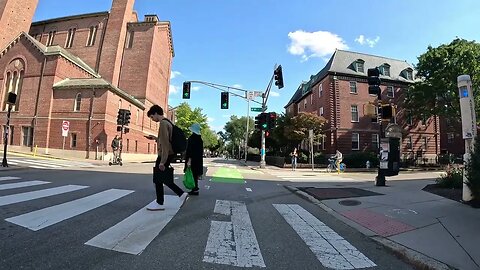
(11, 100)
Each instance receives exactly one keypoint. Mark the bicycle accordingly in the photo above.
(333, 166)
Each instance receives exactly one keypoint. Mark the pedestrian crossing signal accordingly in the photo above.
(224, 101)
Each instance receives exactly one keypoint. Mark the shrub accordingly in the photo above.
(453, 178)
(358, 160)
(473, 170)
(320, 158)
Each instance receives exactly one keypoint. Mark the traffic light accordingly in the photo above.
(126, 130)
(374, 81)
(272, 120)
(387, 111)
(186, 90)
(121, 117)
(264, 121)
(277, 74)
(127, 117)
(267, 133)
(224, 100)
(257, 121)
(119, 128)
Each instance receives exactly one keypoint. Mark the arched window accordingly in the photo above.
(78, 102)
(15, 73)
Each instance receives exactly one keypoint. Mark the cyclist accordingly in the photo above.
(116, 144)
(338, 159)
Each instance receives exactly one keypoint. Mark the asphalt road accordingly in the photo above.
(242, 219)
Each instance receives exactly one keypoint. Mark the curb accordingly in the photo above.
(414, 258)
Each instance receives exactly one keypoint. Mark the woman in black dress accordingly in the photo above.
(194, 155)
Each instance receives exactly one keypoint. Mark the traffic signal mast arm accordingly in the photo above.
(225, 88)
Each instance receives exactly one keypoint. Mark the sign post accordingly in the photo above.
(310, 136)
(469, 125)
(65, 129)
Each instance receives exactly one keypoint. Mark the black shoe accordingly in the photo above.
(193, 192)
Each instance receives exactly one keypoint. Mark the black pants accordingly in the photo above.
(164, 177)
(195, 178)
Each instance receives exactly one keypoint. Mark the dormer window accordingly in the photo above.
(359, 66)
(409, 74)
(385, 70)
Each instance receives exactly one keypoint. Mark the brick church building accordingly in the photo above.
(339, 93)
(82, 69)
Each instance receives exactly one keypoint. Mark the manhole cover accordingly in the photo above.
(349, 202)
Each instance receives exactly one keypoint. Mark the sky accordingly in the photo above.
(238, 42)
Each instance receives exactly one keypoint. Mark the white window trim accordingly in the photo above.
(393, 91)
(356, 89)
(320, 90)
(320, 111)
(358, 141)
(376, 142)
(351, 112)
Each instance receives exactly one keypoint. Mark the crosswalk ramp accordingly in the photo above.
(307, 176)
(232, 239)
(38, 163)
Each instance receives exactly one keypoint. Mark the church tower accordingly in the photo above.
(15, 16)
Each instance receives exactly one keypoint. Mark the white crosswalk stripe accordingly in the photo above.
(306, 176)
(38, 163)
(232, 242)
(43, 218)
(332, 250)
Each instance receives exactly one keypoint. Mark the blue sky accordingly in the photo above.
(238, 42)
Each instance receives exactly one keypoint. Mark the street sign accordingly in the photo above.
(256, 109)
(250, 95)
(65, 128)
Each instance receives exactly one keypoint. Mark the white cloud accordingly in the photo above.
(195, 88)
(362, 40)
(173, 89)
(237, 85)
(175, 74)
(210, 119)
(274, 94)
(314, 44)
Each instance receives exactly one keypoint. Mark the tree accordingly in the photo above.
(210, 139)
(437, 70)
(235, 129)
(295, 129)
(473, 171)
(185, 117)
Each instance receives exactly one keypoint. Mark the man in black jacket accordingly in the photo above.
(194, 156)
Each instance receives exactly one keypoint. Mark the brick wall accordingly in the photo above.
(15, 17)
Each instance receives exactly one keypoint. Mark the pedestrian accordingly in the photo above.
(194, 156)
(163, 172)
(294, 155)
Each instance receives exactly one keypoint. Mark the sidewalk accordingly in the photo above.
(406, 219)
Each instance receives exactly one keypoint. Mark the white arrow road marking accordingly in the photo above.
(27, 196)
(5, 178)
(45, 217)
(248, 189)
(22, 184)
(330, 248)
(233, 242)
(133, 234)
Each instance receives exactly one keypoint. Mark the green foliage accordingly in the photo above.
(296, 128)
(210, 139)
(473, 170)
(235, 129)
(453, 178)
(359, 159)
(320, 158)
(185, 117)
(438, 68)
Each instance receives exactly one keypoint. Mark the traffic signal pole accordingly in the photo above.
(264, 109)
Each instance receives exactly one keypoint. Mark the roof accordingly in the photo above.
(96, 82)
(342, 63)
(73, 17)
(52, 50)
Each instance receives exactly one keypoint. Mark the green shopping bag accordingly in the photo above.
(188, 181)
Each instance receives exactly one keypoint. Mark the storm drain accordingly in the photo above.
(350, 202)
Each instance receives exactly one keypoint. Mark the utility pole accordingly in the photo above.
(11, 100)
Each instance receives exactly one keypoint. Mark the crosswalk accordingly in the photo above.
(307, 176)
(38, 163)
(232, 239)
